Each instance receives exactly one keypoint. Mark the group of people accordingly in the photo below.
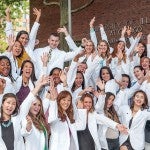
(99, 102)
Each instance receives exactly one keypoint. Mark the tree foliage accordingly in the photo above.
(18, 8)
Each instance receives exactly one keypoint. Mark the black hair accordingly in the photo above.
(33, 77)
(10, 73)
(20, 33)
(83, 83)
(127, 76)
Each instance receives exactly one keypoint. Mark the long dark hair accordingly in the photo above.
(127, 76)
(20, 33)
(33, 77)
(109, 71)
(69, 111)
(111, 112)
(83, 83)
(5, 97)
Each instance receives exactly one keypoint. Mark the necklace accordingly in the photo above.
(6, 124)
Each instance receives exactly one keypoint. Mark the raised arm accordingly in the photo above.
(92, 32)
(68, 38)
(9, 27)
(35, 27)
(25, 106)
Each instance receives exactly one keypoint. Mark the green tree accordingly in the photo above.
(18, 8)
(63, 5)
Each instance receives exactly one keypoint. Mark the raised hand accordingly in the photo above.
(129, 31)
(29, 123)
(101, 84)
(124, 29)
(101, 25)
(45, 59)
(63, 77)
(11, 40)
(63, 30)
(92, 22)
(139, 35)
(2, 85)
(81, 54)
(7, 11)
(84, 42)
(52, 92)
(37, 13)
(79, 104)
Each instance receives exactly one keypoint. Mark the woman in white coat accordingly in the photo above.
(63, 126)
(134, 118)
(10, 119)
(88, 138)
(35, 128)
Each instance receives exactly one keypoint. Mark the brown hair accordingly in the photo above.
(111, 112)
(116, 50)
(40, 119)
(91, 97)
(92, 45)
(145, 105)
(69, 111)
(5, 97)
(108, 49)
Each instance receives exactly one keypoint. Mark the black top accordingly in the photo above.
(8, 135)
(85, 140)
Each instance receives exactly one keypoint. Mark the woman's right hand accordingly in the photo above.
(29, 123)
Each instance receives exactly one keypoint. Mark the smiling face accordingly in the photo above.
(125, 82)
(27, 70)
(56, 76)
(89, 47)
(65, 103)
(8, 107)
(145, 63)
(139, 99)
(23, 39)
(102, 47)
(17, 49)
(121, 46)
(138, 73)
(5, 67)
(78, 80)
(141, 49)
(87, 103)
(110, 101)
(105, 75)
(35, 107)
(53, 41)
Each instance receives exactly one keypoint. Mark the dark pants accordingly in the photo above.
(113, 144)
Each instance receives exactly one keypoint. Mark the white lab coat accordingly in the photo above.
(60, 134)
(136, 131)
(16, 120)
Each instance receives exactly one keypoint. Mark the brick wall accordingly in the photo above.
(113, 14)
